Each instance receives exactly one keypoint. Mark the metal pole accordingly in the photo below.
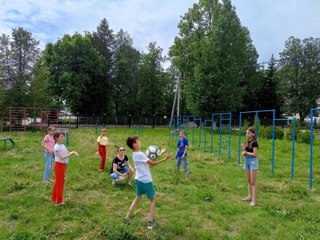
(178, 98)
(67, 140)
(273, 130)
(239, 140)
(293, 139)
(193, 122)
(220, 130)
(153, 120)
(77, 120)
(229, 142)
(311, 146)
(257, 124)
(200, 134)
(174, 104)
(205, 136)
(212, 133)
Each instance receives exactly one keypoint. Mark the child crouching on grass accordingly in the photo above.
(143, 177)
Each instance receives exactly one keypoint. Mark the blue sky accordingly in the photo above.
(270, 22)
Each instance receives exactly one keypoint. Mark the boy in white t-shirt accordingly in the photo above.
(143, 177)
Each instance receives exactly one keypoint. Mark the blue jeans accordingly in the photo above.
(184, 163)
(251, 163)
(116, 176)
(47, 170)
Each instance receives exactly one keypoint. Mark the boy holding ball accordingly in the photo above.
(143, 177)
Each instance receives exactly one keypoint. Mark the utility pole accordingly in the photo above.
(176, 96)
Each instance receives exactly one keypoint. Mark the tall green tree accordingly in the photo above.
(2, 99)
(39, 94)
(103, 41)
(210, 52)
(299, 75)
(76, 69)
(169, 84)
(2, 90)
(125, 79)
(18, 55)
(267, 96)
(152, 82)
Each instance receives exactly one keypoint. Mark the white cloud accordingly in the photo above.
(145, 20)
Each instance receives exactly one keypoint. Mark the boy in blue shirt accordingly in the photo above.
(143, 177)
(181, 155)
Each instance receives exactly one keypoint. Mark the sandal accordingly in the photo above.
(246, 199)
(252, 204)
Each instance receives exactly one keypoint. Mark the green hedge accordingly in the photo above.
(288, 135)
(304, 137)
(301, 136)
(266, 132)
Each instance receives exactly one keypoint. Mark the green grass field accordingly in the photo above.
(206, 206)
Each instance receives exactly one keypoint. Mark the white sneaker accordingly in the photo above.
(246, 199)
(151, 224)
(60, 204)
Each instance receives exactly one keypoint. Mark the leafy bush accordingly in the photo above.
(288, 135)
(235, 132)
(279, 133)
(267, 133)
(304, 137)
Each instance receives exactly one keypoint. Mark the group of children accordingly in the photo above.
(121, 168)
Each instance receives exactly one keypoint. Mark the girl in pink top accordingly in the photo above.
(48, 145)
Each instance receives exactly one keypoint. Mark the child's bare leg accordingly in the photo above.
(120, 179)
(152, 209)
(133, 206)
(254, 185)
(249, 183)
(130, 174)
(115, 181)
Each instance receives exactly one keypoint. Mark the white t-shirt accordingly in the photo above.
(143, 173)
(64, 151)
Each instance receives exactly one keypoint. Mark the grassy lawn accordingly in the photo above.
(206, 206)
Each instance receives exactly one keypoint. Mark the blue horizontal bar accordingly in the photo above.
(283, 119)
(258, 111)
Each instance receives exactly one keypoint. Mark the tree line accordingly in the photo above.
(213, 57)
